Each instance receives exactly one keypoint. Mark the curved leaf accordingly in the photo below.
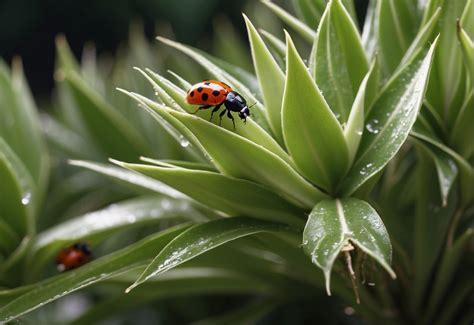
(238, 157)
(186, 281)
(355, 123)
(130, 177)
(176, 99)
(463, 129)
(270, 78)
(426, 34)
(446, 169)
(339, 62)
(220, 74)
(369, 32)
(335, 224)
(110, 129)
(231, 195)
(58, 286)
(18, 196)
(301, 28)
(397, 18)
(447, 270)
(390, 121)
(98, 225)
(313, 135)
(202, 238)
(19, 123)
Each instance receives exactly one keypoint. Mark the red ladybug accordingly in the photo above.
(74, 256)
(213, 93)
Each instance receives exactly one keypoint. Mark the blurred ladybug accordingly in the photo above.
(213, 93)
(73, 256)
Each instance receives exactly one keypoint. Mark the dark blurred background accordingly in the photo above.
(28, 27)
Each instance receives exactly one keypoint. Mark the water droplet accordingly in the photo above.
(373, 126)
(25, 200)
(183, 141)
(359, 132)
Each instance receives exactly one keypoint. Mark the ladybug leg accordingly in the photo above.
(229, 115)
(215, 110)
(200, 108)
(221, 115)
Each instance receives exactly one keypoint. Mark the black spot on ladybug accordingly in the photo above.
(216, 93)
(199, 89)
(204, 96)
(207, 83)
(192, 94)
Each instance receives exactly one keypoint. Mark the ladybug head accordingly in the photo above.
(244, 113)
(83, 246)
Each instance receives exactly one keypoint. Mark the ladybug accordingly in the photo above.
(213, 93)
(73, 256)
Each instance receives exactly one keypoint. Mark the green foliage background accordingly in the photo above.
(354, 176)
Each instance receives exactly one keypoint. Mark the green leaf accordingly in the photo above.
(301, 28)
(184, 83)
(176, 129)
(19, 123)
(310, 10)
(467, 48)
(277, 47)
(431, 224)
(463, 129)
(270, 78)
(369, 32)
(467, 18)
(390, 121)
(238, 157)
(179, 163)
(446, 169)
(67, 141)
(338, 59)
(189, 281)
(446, 90)
(58, 286)
(447, 270)
(231, 195)
(110, 129)
(202, 238)
(66, 59)
(313, 135)
(466, 171)
(355, 123)
(18, 197)
(335, 224)
(98, 225)
(426, 35)
(396, 18)
(9, 239)
(251, 130)
(221, 75)
(130, 178)
(167, 93)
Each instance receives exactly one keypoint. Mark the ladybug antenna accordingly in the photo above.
(252, 105)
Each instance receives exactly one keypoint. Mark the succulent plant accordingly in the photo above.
(358, 152)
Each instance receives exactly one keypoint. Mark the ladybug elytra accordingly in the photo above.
(213, 93)
(73, 256)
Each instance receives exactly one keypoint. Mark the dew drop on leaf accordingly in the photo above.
(183, 141)
(373, 126)
(25, 200)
